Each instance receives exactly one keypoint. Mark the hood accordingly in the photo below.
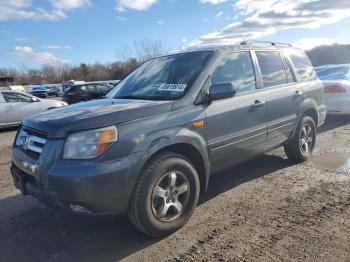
(59, 123)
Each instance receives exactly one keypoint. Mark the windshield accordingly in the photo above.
(334, 73)
(164, 78)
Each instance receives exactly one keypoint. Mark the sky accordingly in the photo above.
(39, 32)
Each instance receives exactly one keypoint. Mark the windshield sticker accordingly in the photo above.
(172, 87)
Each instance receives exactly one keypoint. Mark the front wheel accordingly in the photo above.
(300, 148)
(165, 195)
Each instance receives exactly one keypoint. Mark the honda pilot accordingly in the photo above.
(152, 145)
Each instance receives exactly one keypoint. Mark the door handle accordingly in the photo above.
(258, 103)
(298, 93)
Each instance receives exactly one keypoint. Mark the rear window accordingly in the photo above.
(334, 73)
(272, 68)
(302, 63)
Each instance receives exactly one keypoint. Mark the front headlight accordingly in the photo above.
(89, 144)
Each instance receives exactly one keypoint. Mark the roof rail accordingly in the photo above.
(265, 42)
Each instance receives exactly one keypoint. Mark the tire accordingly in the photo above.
(300, 148)
(148, 207)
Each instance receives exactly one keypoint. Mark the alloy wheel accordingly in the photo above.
(170, 196)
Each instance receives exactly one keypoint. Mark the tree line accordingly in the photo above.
(131, 57)
(332, 54)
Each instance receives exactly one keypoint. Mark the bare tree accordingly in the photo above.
(129, 58)
(142, 50)
(147, 48)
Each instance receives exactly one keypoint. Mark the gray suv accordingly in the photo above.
(150, 148)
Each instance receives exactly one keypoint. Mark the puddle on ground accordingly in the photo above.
(332, 161)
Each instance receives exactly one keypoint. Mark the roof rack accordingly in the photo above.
(265, 42)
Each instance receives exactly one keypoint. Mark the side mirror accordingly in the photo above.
(221, 91)
(34, 99)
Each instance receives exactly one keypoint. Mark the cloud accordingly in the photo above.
(69, 4)
(266, 17)
(55, 47)
(120, 18)
(24, 9)
(160, 22)
(215, 2)
(27, 55)
(308, 43)
(20, 39)
(134, 4)
(220, 14)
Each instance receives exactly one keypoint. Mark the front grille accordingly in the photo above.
(31, 141)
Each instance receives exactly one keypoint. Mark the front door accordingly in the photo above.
(236, 128)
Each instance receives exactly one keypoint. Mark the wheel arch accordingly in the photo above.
(311, 112)
(309, 108)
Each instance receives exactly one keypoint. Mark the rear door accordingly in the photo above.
(236, 128)
(283, 95)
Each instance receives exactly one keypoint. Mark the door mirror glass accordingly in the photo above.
(221, 91)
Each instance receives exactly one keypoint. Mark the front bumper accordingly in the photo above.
(99, 188)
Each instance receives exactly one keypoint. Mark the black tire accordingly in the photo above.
(142, 208)
(296, 148)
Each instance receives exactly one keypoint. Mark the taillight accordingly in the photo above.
(335, 88)
(70, 94)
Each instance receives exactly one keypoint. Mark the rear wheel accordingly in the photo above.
(300, 148)
(165, 196)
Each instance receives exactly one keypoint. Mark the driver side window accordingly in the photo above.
(236, 68)
(15, 97)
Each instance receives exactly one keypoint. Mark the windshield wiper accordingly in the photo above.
(143, 97)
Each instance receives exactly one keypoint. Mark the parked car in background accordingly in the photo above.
(18, 88)
(68, 84)
(14, 106)
(39, 91)
(53, 91)
(85, 92)
(151, 146)
(336, 82)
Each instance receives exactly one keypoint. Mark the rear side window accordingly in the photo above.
(236, 68)
(272, 68)
(303, 65)
(104, 89)
(85, 89)
(289, 70)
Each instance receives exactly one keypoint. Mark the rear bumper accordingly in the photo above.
(338, 106)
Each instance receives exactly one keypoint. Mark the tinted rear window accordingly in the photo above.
(272, 68)
(302, 63)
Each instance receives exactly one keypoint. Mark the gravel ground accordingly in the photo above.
(266, 209)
